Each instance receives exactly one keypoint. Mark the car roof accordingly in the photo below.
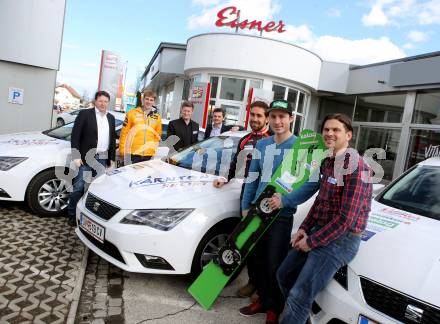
(434, 161)
(236, 133)
(117, 114)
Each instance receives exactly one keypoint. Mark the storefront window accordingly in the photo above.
(297, 125)
(185, 91)
(301, 102)
(231, 114)
(278, 92)
(291, 97)
(423, 144)
(380, 109)
(214, 86)
(255, 84)
(335, 105)
(427, 109)
(387, 139)
(232, 89)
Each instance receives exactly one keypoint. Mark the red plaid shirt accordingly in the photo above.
(343, 201)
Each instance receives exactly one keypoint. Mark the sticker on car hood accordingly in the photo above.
(187, 180)
(385, 219)
(30, 142)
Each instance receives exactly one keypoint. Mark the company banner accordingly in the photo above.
(111, 78)
(199, 96)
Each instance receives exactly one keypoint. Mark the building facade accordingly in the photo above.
(67, 97)
(29, 59)
(395, 105)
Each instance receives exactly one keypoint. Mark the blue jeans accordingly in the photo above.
(79, 184)
(270, 252)
(302, 275)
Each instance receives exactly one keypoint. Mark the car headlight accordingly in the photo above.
(161, 219)
(341, 277)
(8, 162)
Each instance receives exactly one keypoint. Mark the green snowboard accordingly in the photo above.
(307, 154)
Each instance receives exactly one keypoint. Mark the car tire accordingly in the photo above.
(212, 240)
(60, 122)
(44, 188)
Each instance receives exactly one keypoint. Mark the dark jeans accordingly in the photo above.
(139, 158)
(272, 249)
(79, 184)
(303, 275)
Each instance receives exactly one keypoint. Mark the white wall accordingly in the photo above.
(38, 85)
(244, 53)
(31, 31)
(333, 77)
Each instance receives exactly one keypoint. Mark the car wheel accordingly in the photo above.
(47, 195)
(60, 122)
(209, 246)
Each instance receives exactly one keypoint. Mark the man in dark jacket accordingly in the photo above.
(186, 129)
(217, 127)
(93, 143)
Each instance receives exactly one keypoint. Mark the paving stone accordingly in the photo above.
(116, 281)
(39, 259)
(106, 305)
(115, 302)
(100, 313)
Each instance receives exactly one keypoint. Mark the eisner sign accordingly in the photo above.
(230, 16)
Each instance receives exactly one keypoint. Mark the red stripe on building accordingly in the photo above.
(248, 108)
(205, 110)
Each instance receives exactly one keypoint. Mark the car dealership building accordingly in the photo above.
(395, 105)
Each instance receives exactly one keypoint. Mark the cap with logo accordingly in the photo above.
(283, 105)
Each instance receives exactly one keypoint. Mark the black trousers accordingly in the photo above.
(271, 251)
(139, 158)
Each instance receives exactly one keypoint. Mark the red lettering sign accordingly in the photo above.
(229, 16)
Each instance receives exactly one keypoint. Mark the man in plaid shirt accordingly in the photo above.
(330, 235)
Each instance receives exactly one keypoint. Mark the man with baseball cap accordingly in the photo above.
(274, 245)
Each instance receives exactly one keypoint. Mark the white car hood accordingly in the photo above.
(29, 143)
(154, 184)
(401, 250)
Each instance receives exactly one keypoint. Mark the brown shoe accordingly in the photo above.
(252, 309)
(254, 297)
(271, 317)
(246, 291)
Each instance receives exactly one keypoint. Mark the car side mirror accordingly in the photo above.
(377, 188)
(162, 152)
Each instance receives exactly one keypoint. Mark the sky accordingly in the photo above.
(349, 31)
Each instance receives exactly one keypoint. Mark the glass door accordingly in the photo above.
(387, 139)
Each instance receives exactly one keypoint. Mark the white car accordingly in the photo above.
(27, 167)
(67, 117)
(159, 217)
(395, 276)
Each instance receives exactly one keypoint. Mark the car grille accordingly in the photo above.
(106, 247)
(394, 304)
(100, 207)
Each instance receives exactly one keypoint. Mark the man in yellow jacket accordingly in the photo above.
(142, 130)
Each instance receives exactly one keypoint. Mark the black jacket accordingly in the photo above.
(85, 135)
(188, 134)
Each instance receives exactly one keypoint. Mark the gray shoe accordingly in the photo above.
(246, 291)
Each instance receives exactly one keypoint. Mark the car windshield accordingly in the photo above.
(417, 192)
(64, 132)
(212, 155)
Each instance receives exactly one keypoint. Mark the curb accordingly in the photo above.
(77, 290)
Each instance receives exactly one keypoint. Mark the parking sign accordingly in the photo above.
(16, 95)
